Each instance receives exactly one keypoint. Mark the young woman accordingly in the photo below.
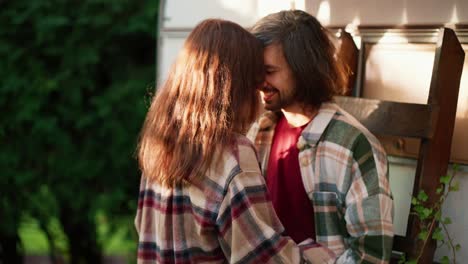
(202, 196)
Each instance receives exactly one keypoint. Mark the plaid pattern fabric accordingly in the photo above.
(226, 217)
(345, 174)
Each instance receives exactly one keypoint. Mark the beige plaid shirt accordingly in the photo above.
(226, 217)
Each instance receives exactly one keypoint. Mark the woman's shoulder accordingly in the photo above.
(245, 154)
(239, 156)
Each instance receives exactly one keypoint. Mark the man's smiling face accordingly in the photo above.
(278, 90)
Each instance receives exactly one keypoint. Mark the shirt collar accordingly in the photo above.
(312, 132)
(315, 129)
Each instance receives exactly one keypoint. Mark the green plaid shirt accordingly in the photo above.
(345, 174)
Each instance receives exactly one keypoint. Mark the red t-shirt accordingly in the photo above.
(285, 186)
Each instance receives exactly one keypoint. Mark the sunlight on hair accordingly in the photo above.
(323, 14)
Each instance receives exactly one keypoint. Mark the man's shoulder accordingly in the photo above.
(344, 130)
(343, 122)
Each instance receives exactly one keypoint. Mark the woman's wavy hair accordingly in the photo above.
(309, 51)
(209, 95)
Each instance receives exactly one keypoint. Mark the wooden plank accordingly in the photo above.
(432, 123)
(390, 118)
(435, 153)
(400, 146)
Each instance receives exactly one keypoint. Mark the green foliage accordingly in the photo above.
(429, 215)
(422, 196)
(36, 241)
(437, 235)
(73, 77)
(444, 260)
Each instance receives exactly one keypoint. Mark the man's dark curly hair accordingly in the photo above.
(309, 51)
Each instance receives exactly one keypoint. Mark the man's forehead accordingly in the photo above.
(274, 47)
(273, 55)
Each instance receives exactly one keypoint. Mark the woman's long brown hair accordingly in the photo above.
(209, 95)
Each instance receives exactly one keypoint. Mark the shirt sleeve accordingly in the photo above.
(138, 218)
(369, 209)
(249, 230)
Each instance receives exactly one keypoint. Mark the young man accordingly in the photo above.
(326, 173)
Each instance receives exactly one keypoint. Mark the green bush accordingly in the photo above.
(73, 81)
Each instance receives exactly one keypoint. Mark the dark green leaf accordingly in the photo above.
(423, 235)
(444, 260)
(422, 196)
(438, 215)
(402, 259)
(445, 179)
(437, 235)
